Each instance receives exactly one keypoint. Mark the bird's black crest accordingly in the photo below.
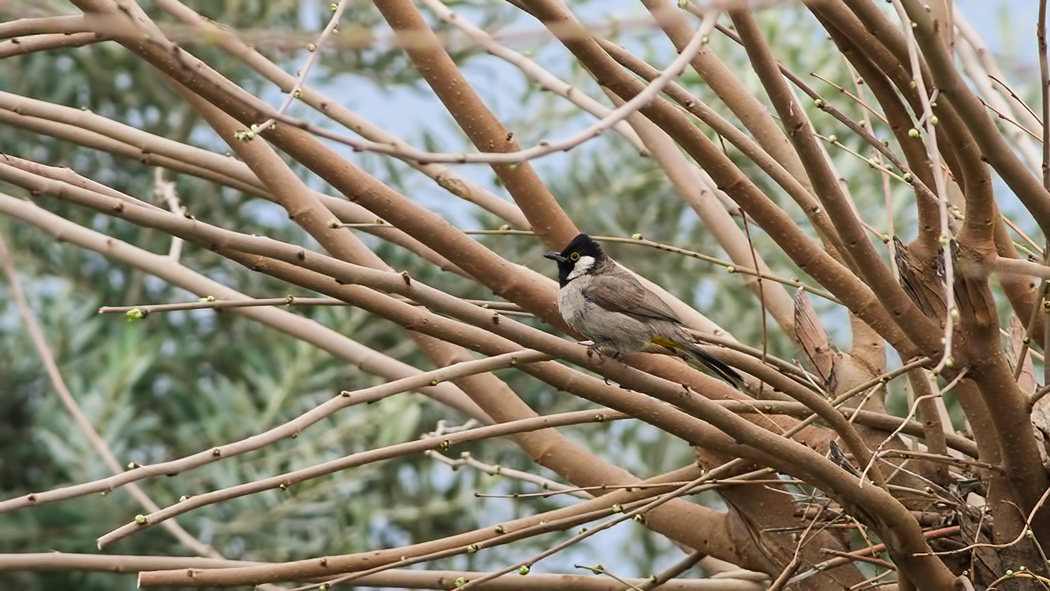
(580, 246)
(583, 244)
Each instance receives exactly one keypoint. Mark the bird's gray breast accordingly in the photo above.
(614, 330)
(573, 306)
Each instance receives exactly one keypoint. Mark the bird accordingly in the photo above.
(608, 305)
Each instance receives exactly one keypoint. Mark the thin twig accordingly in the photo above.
(870, 550)
(467, 459)
(678, 492)
(544, 79)
(543, 148)
(283, 481)
(928, 121)
(314, 49)
(672, 571)
(210, 302)
(961, 462)
(639, 240)
(286, 430)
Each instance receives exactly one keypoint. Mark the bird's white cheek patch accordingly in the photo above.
(582, 266)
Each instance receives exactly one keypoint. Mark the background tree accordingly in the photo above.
(221, 175)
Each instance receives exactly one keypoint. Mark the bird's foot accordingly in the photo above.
(599, 351)
(595, 350)
(602, 352)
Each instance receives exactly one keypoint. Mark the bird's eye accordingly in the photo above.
(575, 256)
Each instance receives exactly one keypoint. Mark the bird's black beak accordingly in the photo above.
(555, 257)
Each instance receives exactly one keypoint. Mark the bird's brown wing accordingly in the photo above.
(622, 292)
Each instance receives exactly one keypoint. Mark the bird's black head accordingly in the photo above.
(579, 257)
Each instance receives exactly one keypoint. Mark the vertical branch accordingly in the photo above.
(926, 404)
(1046, 339)
(1037, 314)
(1044, 91)
(761, 290)
(165, 189)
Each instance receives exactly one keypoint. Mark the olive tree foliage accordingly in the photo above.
(277, 311)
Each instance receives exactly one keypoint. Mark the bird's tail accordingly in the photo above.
(716, 366)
